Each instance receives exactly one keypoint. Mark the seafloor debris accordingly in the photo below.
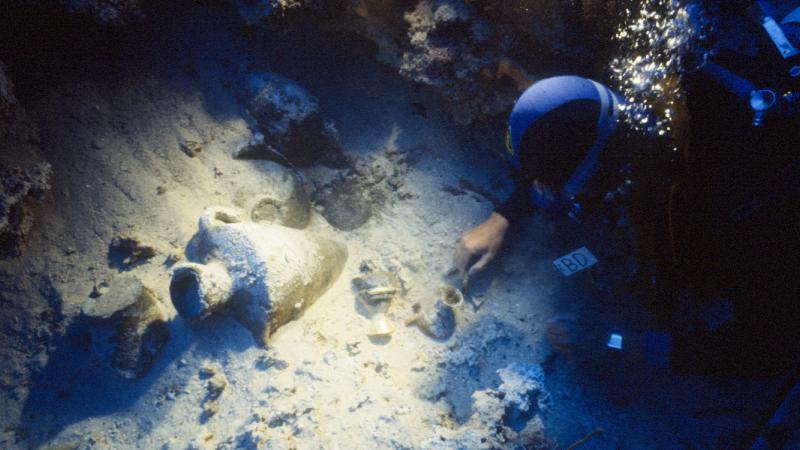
(268, 361)
(265, 275)
(190, 147)
(126, 251)
(127, 326)
(349, 201)
(18, 189)
(289, 117)
(278, 426)
(215, 386)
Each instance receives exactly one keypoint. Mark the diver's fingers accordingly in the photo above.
(486, 258)
(461, 258)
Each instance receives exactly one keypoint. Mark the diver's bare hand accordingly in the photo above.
(482, 242)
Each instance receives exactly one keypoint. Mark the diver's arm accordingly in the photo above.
(482, 242)
(518, 205)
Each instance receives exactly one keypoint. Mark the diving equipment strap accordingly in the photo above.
(775, 32)
(606, 124)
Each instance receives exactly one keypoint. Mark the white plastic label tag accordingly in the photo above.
(576, 261)
(615, 341)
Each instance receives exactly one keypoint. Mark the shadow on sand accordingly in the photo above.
(75, 385)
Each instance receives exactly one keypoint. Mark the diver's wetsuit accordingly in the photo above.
(556, 132)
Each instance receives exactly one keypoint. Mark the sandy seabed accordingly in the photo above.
(112, 136)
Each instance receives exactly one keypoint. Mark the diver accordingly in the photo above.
(732, 209)
(557, 133)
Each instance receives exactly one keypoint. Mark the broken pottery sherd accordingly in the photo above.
(375, 287)
(451, 296)
(127, 326)
(271, 193)
(376, 291)
(273, 272)
(380, 326)
(438, 320)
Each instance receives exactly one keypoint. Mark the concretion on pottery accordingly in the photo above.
(275, 272)
(197, 290)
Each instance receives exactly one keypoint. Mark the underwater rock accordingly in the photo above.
(289, 117)
(522, 388)
(264, 275)
(8, 102)
(253, 147)
(19, 188)
(127, 325)
(216, 385)
(448, 52)
(276, 196)
(502, 418)
(127, 251)
(107, 12)
(475, 54)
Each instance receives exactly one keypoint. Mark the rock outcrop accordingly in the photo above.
(451, 51)
(289, 117)
(476, 54)
(127, 326)
(108, 12)
(8, 102)
(19, 189)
